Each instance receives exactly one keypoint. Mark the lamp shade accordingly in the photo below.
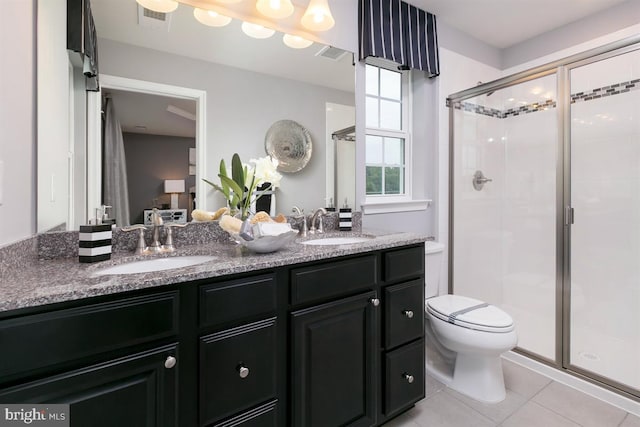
(174, 186)
(257, 31)
(162, 6)
(210, 18)
(318, 16)
(277, 9)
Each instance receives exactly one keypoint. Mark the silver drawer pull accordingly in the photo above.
(243, 371)
(375, 302)
(170, 362)
(408, 377)
(408, 313)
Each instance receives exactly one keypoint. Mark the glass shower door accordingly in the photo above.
(504, 232)
(604, 311)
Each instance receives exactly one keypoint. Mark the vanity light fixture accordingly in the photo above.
(257, 31)
(162, 6)
(296, 42)
(276, 9)
(318, 16)
(210, 17)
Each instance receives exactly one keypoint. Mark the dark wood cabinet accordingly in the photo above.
(136, 390)
(335, 363)
(334, 342)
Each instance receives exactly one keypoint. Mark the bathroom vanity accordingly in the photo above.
(308, 336)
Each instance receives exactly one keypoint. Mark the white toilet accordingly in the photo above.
(468, 334)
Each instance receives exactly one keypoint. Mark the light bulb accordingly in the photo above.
(162, 6)
(276, 9)
(211, 18)
(257, 31)
(296, 42)
(318, 16)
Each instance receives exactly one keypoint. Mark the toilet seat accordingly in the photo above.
(470, 313)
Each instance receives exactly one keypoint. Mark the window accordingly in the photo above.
(387, 142)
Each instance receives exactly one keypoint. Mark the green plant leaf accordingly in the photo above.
(223, 190)
(223, 171)
(235, 188)
(237, 172)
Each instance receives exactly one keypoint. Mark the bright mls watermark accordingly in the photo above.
(34, 415)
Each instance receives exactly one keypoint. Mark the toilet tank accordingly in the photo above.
(433, 263)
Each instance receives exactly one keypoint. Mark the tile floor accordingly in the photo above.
(532, 400)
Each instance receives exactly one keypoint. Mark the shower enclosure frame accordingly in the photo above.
(564, 212)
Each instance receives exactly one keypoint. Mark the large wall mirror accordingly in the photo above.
(248, 84)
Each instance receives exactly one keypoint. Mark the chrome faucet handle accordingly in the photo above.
(142, 248)
(168, 243)
(157, 222)
(300, 214)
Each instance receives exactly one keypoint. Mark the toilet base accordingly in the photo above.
(479, 377)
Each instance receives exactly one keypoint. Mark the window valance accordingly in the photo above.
(399, 32)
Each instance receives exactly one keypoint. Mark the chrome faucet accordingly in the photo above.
(156, 221)
(142, 248)
(300, 214)
(168, 243)
(319, 213)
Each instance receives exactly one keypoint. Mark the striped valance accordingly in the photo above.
(399, 32)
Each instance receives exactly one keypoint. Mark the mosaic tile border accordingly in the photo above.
(601, 92)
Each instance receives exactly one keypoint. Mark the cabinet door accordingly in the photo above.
(137, 390)
(335, 363)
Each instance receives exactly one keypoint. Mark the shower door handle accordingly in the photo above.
(569, 216)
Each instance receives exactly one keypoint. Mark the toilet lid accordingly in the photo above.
(470, 313)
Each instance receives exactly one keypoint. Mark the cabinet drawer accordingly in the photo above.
(33, 342)
(225, 387)
(403, 313)
(237, 300)
(333, 278)
(404, 377)
(404, 263)
(262, 416)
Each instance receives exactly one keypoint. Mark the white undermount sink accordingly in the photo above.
(336, 241)
(156, 264)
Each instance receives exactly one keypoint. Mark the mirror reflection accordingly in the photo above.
(249, 84)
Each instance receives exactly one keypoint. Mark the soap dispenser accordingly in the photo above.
(94, 240)
(345, 216)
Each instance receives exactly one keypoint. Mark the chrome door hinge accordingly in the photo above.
(568, 216)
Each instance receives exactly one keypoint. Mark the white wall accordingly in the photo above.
(241, 106)
(17, 120)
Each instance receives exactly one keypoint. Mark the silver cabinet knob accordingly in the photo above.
(408, 377)
(375, 302)
(170, 362)
(243, 371)
(408, 313)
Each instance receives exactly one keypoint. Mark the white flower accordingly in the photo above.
(265, 171)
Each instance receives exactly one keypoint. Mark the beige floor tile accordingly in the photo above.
(433, 386)
(579, 407)
(522, 380)
(630, 421)
(403, 420)
(497, 412)
(533, 415)
(444, 410)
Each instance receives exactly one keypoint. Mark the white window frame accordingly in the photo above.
(405, 134)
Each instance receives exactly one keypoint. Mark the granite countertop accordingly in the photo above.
(64, 279)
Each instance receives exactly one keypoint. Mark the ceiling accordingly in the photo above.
(504, 23)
